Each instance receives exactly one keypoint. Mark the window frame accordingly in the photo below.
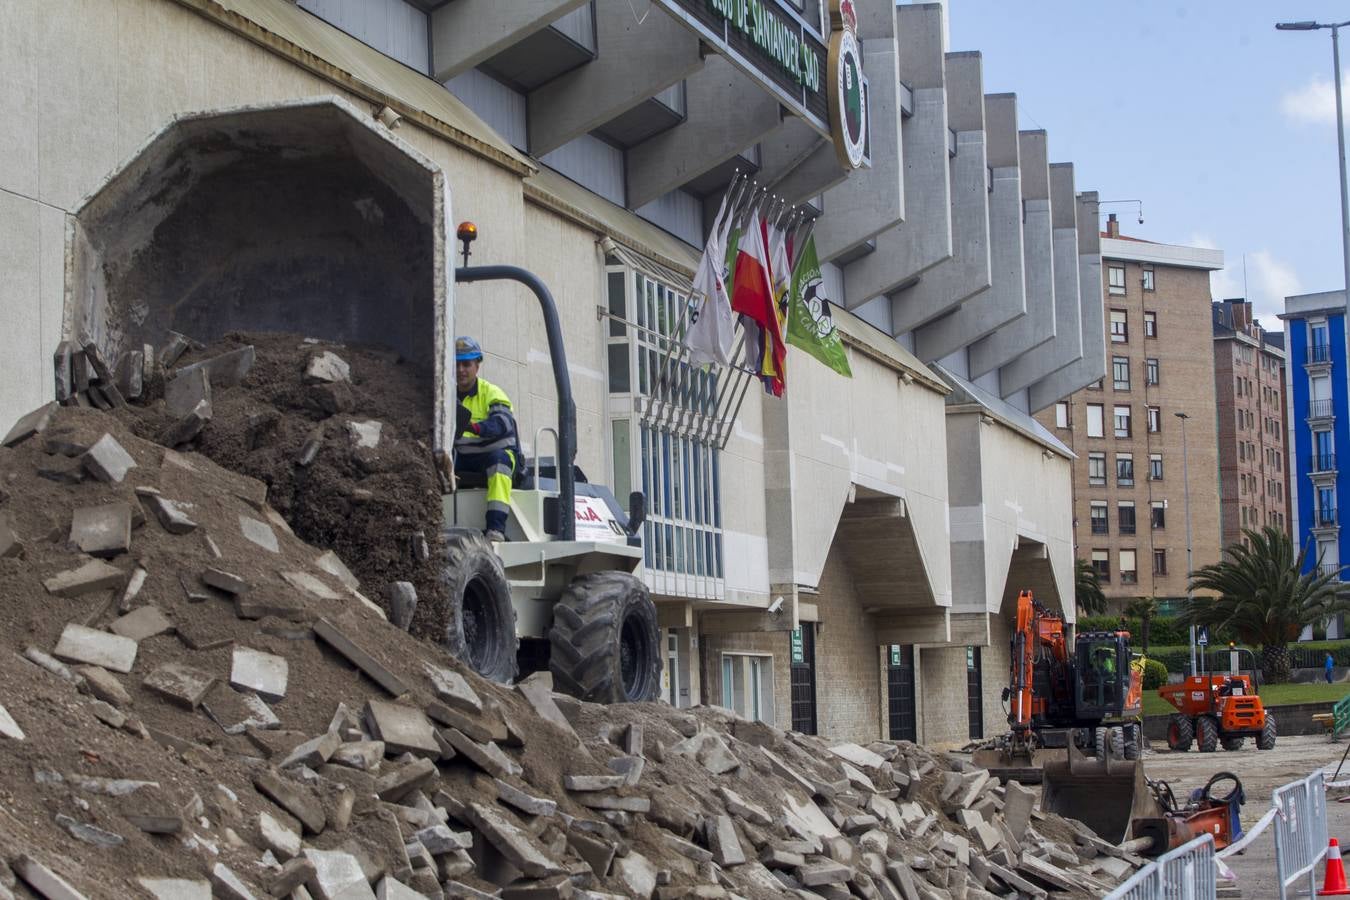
(1150, 324)
(1146, 278)
(1117, 418)
(1155, 419)
(1099, 517)
(1101, 564)
(1152, 371)
(1130, 575)
(1121, 335)
(1125, 524)
(1115, 286)
(1155, 458)
(1100, 409)
(1062, 419)
(1125, 480)
(1120, 365)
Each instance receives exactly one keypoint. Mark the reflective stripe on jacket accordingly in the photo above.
(490, 411)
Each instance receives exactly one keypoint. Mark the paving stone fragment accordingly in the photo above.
(107, 460)
(179, 684)
(313, 752)
(637, 873)
(334, 638)
(175, 346)
(859, 756)
(28, 425)
(472, 725)
(141, 623)
(260, 533)
(107, 714)
(739, 806)
(294, 797)
(254, 606)
(94, 575)
(365, 434)
(185, 390)
(203, 635)
(99, 648)
(294, 873)
(488, 757)
(710, 750)
(402, 598)
(225, 581)
(822, 872)
(558, 887)
(10, 545)
(172, 515)
(188, 426)
(89, 834)
(226, 885)
(538, 690)
(605, 801)
(226, 369)
(264, 673)
(176, 888)
(527, 803)
(103, 530)
(327, 367)
(8, 727)
(331, 563)
(129, 375)
(398, 783)
(362, 755)
(630, 767)
(105, 686)
(43, 880)
(517, 845)
(236, 712)
(281, 839)
(724, 843)
(338, 876)
(592, 782)
(402, 728)
(151, 810)
(1018, 802)
(303, 581)
(440, 839)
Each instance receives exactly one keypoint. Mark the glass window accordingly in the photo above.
(1120, 373)
(1101, 565)
(1095, 412)
(1154, 420)
(1097, 468)
(1159, 562)
(1155, 467)
(1121, 419)
(1128, 572)
(1150, 324)
(1150, 371)
(1148, 278)
(1158, 511)
(747, 686)
(1124, 469)
(1062, 414)
(1120, 332)
(1125, 516)
(1097, 515)
(1115, 278)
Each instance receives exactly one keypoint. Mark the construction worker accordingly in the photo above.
(487, 441)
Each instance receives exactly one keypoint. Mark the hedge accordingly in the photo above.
(1162, 630)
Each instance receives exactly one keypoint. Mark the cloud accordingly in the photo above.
(1268, 281)
(1315, 102)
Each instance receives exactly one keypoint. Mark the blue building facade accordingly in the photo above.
(1318, 410)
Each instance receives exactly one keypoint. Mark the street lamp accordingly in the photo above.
(1340, 133)
(1186, 493)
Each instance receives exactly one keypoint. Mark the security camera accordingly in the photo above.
(1141, 220)
(776, 605)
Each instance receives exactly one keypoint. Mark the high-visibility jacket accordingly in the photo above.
(493, 425)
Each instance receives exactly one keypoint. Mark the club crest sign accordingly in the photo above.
(848, 88)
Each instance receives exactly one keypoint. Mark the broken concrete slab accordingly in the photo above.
(440, 839)
(94, 575)
(141, 623)
(43, 880)
(129, 374)
(187, 427)
(251, 605)
(859, 756)
(172, 515)
(365, 434)
(179, 684)
(8, 727)
(364, 756)
(227, 369)
(184, 391)
(637, 873)
(527, 803)
(538, 690)
(723, 841)
(89, 834)
(225, 581)
(592, 782)
(453, 690)
(1018, 802)
(260, 533)
(303, 581)
(297, 799)
(226, 885)
(710, 750)
(338, 876)
(103, 530)
(327, 367)
(402, 728)
(402, 598)
(264, 673)
(107, 460)
(488, 757)
(330, 635)
(331, 563)
(402, 781)
(105, 686)
(314, 752)
(176, 888)
(281, 839)
(28, 425)
(517, 845)
(97, 648)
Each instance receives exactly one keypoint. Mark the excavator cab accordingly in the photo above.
(1102, 660)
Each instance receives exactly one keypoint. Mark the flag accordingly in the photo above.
(809, 323)
(710, 332)
(753, 297)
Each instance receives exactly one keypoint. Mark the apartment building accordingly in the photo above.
(1145, 433)
(1249, 372)
(843, 559)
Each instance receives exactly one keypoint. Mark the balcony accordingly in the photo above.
(1324, 517)
(1317, 354)
(1328, 568)
(1322, 462)
(1319, 409)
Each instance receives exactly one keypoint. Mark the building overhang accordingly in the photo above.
(1175, 255)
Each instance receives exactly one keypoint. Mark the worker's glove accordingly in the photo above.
(463, 418)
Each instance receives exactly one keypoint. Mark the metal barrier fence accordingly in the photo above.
(1186, 873)
(1300, 832)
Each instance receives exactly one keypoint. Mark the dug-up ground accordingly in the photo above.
(196, 703)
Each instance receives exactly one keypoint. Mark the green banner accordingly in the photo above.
(809, 323)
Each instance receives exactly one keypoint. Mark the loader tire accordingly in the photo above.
(1180, 733)
(1110, 740)
(1133, 739)
(605, 644)
(482, 623)
(1266, 739)
(1233, 743)
(1207, 732)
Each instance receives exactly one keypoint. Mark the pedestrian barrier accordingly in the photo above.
(1186, 873)
(1300, 832)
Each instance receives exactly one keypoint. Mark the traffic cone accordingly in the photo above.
(1333, 885)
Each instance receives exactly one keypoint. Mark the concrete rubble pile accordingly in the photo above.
(196, 703)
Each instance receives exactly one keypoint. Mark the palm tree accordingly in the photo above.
(1262, 595)
(1143, 609)
(1087, 591)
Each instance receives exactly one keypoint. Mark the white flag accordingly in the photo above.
(712, 321)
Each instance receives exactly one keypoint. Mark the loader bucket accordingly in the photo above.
(1106, 795)
(1024, 767)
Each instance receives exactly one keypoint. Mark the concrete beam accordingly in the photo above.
(970, 629)
(796, 163)
(924, 239)
(1067, 344)
(945, 286)
(635, 61)
(727, 113)
(469, 32)
(1092, 315)
(1038, 325)
(1005, 299)
(759, 620)
(912, 626)
(674, 614)
(870, 200)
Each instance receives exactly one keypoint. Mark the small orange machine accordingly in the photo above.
(1205, 812)
(1214, 710)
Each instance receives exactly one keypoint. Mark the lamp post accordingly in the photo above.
(1340, 132)
(1186, 493)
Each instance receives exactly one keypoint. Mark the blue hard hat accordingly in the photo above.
(466, 348)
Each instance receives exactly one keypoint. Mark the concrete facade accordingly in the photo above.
(839, 500)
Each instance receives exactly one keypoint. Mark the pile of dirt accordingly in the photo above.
(192, 692)
(302, 430)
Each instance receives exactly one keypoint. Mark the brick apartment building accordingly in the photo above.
(1249, 383)
(1129, 490)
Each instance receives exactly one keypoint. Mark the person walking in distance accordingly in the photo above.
(1328, 666)
(486, 439)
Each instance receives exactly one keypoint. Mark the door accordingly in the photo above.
(804, 679)
(904, 721)
(974, 693)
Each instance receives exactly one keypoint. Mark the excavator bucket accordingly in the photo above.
(1024, 767)
(1106, 795)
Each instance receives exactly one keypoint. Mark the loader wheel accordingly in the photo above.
(1233, 743)
(482, 626)
(1112, 740)
(1266, 739)
(1208, 734)
(1180, 733)
(1132, 741)
(606, 647)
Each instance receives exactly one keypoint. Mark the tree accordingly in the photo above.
(1087, 591)
(1143, 609)
(1262, 595)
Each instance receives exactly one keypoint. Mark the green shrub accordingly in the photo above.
(1155, 674)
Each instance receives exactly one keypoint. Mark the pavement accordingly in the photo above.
(1260, 772)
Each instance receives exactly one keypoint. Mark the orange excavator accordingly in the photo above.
(1063, 703)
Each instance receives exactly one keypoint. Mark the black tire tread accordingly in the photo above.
(1185, 733)
(585, 636)
(1233, 743)
(1207, 733)
(1266, 739)
(469, 553)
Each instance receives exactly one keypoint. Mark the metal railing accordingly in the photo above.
(1300, 832)
(1322, 462)
(1324, 517)
(1186, 872)
(1319, 409)
(1318, 353)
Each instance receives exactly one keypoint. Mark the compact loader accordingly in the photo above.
(1216, 709)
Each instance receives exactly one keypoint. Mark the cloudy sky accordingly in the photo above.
(1221, 125)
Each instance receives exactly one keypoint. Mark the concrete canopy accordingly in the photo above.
(302, 216)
